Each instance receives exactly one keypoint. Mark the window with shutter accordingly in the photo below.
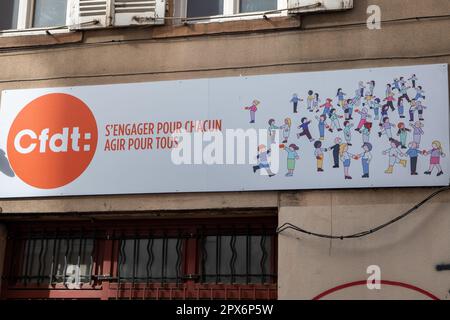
(139, 12)
(296, 6)
(87, 14)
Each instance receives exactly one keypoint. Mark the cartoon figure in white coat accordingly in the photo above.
(286, 129)
(394, 154)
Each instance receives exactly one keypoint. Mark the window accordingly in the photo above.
(39, 15)
(27, 14)
(9, 10)
(257, 5)
(59, 260)
(48, 13)
(150, 260)
(157, 259)
(202, 8)
(236, 259)
(238, 8)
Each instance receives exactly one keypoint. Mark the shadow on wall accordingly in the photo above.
(5, 168)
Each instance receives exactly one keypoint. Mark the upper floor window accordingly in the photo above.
(257, 5)
(202, 8)
(9, 11)
(27, 14)
(48, 13)
(212, 8)
(32, 15)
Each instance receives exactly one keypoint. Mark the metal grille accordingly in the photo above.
(150, 260)
(186, 259)
(49, 258)
(236, 259)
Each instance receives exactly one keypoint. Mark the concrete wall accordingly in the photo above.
(416, 33)
(406, 252)
(413, 32)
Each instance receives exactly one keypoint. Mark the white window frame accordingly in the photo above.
(25, 21)
(230, 12)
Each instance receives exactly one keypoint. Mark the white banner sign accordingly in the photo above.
(385, 127)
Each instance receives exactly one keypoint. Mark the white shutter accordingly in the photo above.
(139, 12)
(297, 6)
(88, 14)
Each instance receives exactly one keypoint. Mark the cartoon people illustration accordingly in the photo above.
(376, 105)
(390, 101)
(394, 156)
(435, 158)
(291, 158)
(413, 80)
(348, 109)
(295, 100)
(403, 134)
(412, 110)
(348, 132)
(361, 88)
(334, 118)
(413, 153)
(286, 129)
(401, 109)
(316, 103)
(405, 98)
(263, 160)
(253, 108)
(396, 84)
(386, 128)
(341, 97)
(357, 99)
(305, 129)
(384, 111)
(309, 100)
(364, 113)
(369, 101)
(371, 87)
(388, 91)
(346, 158)
(319, 153)
(366, 158)
(420, 93)
(403, 94)
(402, 81)
(336, 151)
(272, 130)
(420, 107)
(365, 132)
(417, 132)
(327, 106)
(322, 126)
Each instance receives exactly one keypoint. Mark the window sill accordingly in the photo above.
(35, 38)
(38, 37)
(219, 27)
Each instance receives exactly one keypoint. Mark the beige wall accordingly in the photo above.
(414, 32)
(406, 252)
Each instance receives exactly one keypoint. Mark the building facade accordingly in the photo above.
(223, 244)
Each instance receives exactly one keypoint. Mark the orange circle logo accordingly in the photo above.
(52, 141)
